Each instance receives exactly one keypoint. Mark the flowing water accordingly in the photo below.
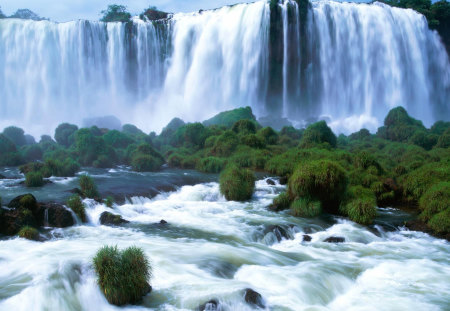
(349, 63)
(214, 249)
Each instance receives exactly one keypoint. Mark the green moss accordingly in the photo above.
(122, 275)
(88, 187)
(305, 207)
(237, 184)
(34, 179)
(77, 206)
(318, 133)
(435, 200)
(440, 222)
(29, 233)
(320, 180)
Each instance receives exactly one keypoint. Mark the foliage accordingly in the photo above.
(109, 201)
(225, 144)
(64, 134)
(318, 133)
(77, 206)
(88, 187)
(305, 207)
(29, 233)
(123, 275)
(15, 135)
(210, 165)
(117, 139)
(268, 135)
(228, 118)
(444, 140)
(360, 205)
(34, 179)
(435, 200)
(244, 127)
(237, 184)
(281, 201)
(115, 13)
(440, 222)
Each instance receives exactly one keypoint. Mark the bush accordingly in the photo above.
(435, 200)
(65, 168)
(423, 139)
(444, 140)
(145, 163)
(244, 127)
(6, 145)
(109, 201)
(237, 184)
(31, 152)
(123, 275)
(77, 206)
(399, 126)
(440, 222)
(117, 139)
(225, 144)
(268, 135)
(210, 165)
(305, 207)
(34, 179)
(15, 135)
(64, 134)
(360, 205)
(88, 187)
(29, 233)
(320, 180)
(318, 133)
(281, 202)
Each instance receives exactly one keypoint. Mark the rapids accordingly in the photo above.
(214, 249)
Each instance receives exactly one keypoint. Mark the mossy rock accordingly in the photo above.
(320, 180)
(305, 207)
(29, 233)
(123, 275)
(237, 184)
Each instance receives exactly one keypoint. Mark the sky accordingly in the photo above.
(64, 10)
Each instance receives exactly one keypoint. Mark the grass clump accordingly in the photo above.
(435, 200)
(88, 187)
(360, 205)
(109, 201)
(318, 133)
(29, 233)
(210, 165)
(77, 206)
(34, 179)
(123, 275)
(281, 202)
(237, 184)
(305, 207)
(440, 222)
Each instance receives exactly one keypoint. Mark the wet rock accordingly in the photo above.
(270, 182)
(2, 176)
(212, 305)
(163, 222)
(334, 239)
(11, 221)
(56, 215)
(283, 180)
(218, 267)
(307, 238)
(254, 298)
(279, 232)
(107, 218)
(24, 201)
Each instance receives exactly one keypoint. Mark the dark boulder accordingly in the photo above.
(11, 221)
(334, 239)
(212, 305)
(279, 232)
(56, 215)
(270, 182)
(254, 298)
(163, 222)
(307, 238)
(24, 201)
(109, 219)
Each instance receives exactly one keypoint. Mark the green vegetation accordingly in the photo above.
(228, 118)
(34, 179)
(88, 187)
(123, 275)
(29, 233)
(281, 202)
(305, 207)
(109, 201)
(77, 206)
(237, 184)
(115, 13)
(360, 205)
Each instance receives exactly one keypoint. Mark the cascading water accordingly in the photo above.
(348, 62)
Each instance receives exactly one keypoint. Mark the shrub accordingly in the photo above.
(439, 127)
(15, 135)
(399, 126)
(109, 201)
(360, 205)
(117, 139)
(237, 184)
(281, 202)
(268, 135)
(318, 133)
(444, 140)
(103, 162)
(225, 144)
(64, 134)
(305, 207)
(77, 206)
(435, 200)
(123, 275)
(31, 152)
(6, 145)
(320, 180)
(34, 179)
(210, 165)
(195, 134)
(440, 222)
(88, 187)
(291, 132)
(244, 127)
(145, 163)
(65, 168)
(423, 139)
(29, 233)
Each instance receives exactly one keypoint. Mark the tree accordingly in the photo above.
(115, 13)
(1, 13)
(27, 14)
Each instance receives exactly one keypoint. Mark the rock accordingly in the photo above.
(283, 180)
(11, 221)
(254, 298)
(107, 218)
(56, 215)
(163, 222)
(212, 305)
(2, 176)
(270, 182)
(334, 239)
(279, 232)
(307, 238)
(24, 201)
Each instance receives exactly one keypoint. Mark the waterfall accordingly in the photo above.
(345, 62)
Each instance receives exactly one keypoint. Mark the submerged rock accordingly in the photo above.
(2, 176)
(212, 305)
(307, 238)
(56, 215)
(279, 232)
(334, 239)
(270, 182)
(11, 221)
(107, 218)
(163, 222)
(254, 298)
